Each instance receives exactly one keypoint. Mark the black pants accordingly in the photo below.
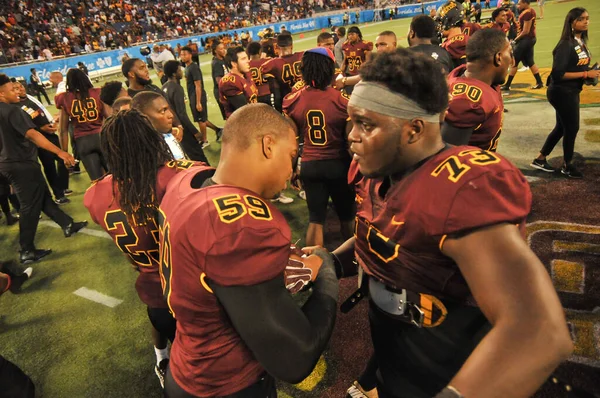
(419, 362)
(90, 154)
(15, 383)
(263, 388)
(163, 322)
(566, 103)
(32, 191)
(41, 90)
(54, 168)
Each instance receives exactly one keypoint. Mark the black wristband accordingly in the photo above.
(339, 268)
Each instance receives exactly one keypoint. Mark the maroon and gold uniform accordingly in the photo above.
(231, 237)
(232, 85)
(456, 47)
(356, 55)
(285, 70)
(504, 27)
(321, 118)
(259, 80)
(139, 242)
(474, 104)
(468, 28)
(527, 15)
(400, 233)
(86, 114)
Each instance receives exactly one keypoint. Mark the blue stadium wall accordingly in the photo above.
(107, 59)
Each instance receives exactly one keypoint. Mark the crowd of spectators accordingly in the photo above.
(40, 29)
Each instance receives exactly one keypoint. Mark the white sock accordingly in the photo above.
(161, 354)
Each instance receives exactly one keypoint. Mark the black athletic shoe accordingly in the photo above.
(537, 86)
(67, 192)
(11, 219)
(542, 165)
(219, 133)
(161, 371)
(16, 278)
(62, 201)
(31, 256)
(571, 172)
(74, 227)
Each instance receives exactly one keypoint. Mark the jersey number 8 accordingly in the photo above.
(317, 132)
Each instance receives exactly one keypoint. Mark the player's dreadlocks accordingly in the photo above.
(317, 70)
(79, 83)
(135, 151)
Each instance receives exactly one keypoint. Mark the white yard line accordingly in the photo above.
(97, 297)
(85, 231)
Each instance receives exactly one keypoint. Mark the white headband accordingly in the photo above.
(378, 98)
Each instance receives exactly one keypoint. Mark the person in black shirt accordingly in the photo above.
(570, 69)
(219, 69)
(83, 68)
(197, 95)
(37, 84)
(54, 168)
(18, 165)
(422, 32)
(176, 100)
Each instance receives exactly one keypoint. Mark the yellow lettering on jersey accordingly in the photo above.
(457, 169)
(231, 208)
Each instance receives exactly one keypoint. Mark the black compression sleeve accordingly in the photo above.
(285, 339)
(456, 136)
(237, 101)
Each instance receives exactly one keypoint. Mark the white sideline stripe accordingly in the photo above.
(86, 231)
(97, 297)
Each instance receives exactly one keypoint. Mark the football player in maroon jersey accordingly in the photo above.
(476, 110)
(236, 88)
(320, 113)
(284, 71)
(125, 204)
(451, 22)
(254, 51)
(499, 21)
(224, 248)
(459, 304)
(81, 106)
(524, 45)
(356, 52)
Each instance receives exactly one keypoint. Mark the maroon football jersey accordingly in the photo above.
(474, 104)
(85, 114)
(261, 83)
(139, 243)
(468, 28)
(505, 27)
(527, 15)
(321, 118)
(286, 70)
(232, 85)
(400, 235)
(230, 236)
(456, 46)
(356, 55)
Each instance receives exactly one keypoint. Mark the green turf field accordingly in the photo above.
(73, 347)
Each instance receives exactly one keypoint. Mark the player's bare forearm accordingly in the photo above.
(529, 337)
(198, 85)
(63, 128)
(41, 142)
(353, 80)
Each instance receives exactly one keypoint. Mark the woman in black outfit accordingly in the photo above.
(570, 70)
